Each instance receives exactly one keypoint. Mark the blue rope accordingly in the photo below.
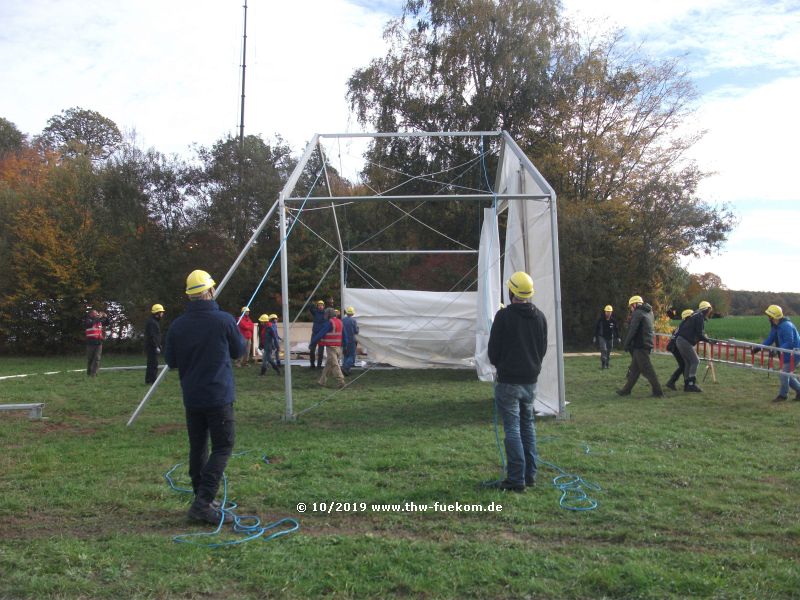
(283, 243)
(574, 489)
(248, 525)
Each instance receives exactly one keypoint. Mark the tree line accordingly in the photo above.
(88, 218)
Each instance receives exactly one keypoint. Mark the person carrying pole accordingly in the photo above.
(671, 347)
(605, 332)
(690, 332)
(639, 342)
(152, 342)
(783, 334)
(246, 327)
(201, 344)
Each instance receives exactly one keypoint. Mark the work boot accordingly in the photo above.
(623, 393)
(691, 385)
(208, 513)
(530, 481)
(671, 385)
(779, 398)
(796, 397)
(507, 486)
(276, 369)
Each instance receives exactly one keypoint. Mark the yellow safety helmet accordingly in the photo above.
(263, 318)
(521, 284)
(198, 282)
(273, 316)
(320, 302)
(635, 300)
(608, 308)
(704, 305)
(687, 313)
(245, 309)
(350, 310)
(774, 311)
(157, 308)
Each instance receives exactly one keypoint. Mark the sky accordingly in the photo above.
(170, 74)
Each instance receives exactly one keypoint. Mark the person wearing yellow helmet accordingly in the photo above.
(639, 342)
(270, 344)
(517, 345)
(152, 342)
(783, 334)
(606, 332)
(350, 340)
(201, 344)
(331, 337)
(96, 325)
(690, 332)
(319, 318)
(673, 349)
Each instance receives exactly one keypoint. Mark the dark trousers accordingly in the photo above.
(681, 366)
(206, 471)
(318, 351)
(641, 365)
(152, 366)
(93, 354)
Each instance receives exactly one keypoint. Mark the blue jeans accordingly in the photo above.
(349, 356)
(787, 379)
(515, 405)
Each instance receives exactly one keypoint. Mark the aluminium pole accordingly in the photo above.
(562, 404)
(287, 344)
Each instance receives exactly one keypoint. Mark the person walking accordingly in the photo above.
(673, 349)
(246, 327)
(639, 342)
(152, 342)
(517, 345)
(783, 334)
(319, 320)
(268, 336)
(94, 325)
(690, 332)
(330, 337)
(349, 333)
(201, 344)
(606, 332)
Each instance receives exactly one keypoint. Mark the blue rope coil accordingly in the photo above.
(249, 526)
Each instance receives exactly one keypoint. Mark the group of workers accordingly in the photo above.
(269, 340)
(204, 341)
(682, 345)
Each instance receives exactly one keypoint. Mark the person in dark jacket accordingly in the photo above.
(95, 326)
(783, 334)
(350, 335)
(517, 345)
(605, 332)
(320, 319)
(201, 345)
(673, 349)
(269, 343)
(152, 342)
(690, 332)
(639, 342)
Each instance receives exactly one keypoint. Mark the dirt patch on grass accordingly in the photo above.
(168, 428)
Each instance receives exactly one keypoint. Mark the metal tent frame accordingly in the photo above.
(286, 195)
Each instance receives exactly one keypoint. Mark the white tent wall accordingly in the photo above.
(529, 247)
(415, 329)
(489, 293)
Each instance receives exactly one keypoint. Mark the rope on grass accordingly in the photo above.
(249, 526)
(574, 489)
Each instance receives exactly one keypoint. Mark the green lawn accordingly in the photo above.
(698, 500)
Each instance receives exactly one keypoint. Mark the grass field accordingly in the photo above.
(698, 499)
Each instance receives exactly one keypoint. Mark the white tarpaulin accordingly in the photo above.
(416, 330)
(488, 292)
(529, 248)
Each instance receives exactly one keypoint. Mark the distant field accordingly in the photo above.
(751, 329)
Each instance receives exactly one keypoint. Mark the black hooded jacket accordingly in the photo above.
(640, 330)
(517, 343)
